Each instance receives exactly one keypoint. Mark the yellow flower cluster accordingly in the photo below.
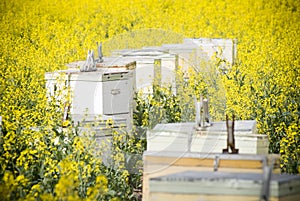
(38, 36)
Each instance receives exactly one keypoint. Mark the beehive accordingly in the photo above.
(105, 91)
(198, 52)
(202, 185)
(184, 137)
(153, 66)
(178, 147)
(163, 163)
(226, 49)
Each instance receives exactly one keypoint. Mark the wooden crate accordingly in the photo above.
(163, 163)
(203, 185)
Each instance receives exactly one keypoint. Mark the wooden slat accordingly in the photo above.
(159, 164)
(206, 162)
(192, 197)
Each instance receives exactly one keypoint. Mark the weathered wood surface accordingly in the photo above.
(193, 197)
(163, 163)
(218, 184)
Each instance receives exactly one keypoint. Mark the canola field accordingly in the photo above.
(38, 36)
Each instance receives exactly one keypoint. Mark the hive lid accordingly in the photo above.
(175, 127)
(241, 126)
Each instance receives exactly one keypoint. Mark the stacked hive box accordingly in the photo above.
(198, 51)
(108, 90)
(183, 137)
(225, 49)
(185, 163)
(161, 70)
(99, 96)
(115, 78)
(179, 147)
(105, 86)
(105, 91)
(196, 185)
(190, 53)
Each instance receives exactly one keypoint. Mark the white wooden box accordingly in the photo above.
(161, 69)
(158, 164)
(202, 185)
(152, 65)
(170, 137)
(103, 92)
(184, 137)
(225, 48)
(194, 51)
(216, 142)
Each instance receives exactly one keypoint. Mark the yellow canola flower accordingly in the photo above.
(36, 37)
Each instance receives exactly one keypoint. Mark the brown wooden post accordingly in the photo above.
(230, 136)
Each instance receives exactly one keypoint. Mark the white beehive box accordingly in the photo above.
(153, 66)
(157, 164)
(168, 62)
(170, 137)
(161, 62)
(215, 142)
(183, 137)
(144, 72)
(225, 48)
(202, 185)
(194, 51)
(106, 91)
(214, 139)
(188, 54)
